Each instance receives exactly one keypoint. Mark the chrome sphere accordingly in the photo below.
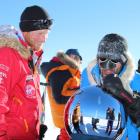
(92, 114)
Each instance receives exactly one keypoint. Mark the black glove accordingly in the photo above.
(133, 110)
(113, 85)
(43, 129)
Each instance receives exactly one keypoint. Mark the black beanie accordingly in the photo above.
(34, 18)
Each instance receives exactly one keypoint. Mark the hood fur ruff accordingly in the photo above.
(14, 44)
(64, 58)
(126, 77)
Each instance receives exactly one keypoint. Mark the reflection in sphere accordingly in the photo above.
(92, 114)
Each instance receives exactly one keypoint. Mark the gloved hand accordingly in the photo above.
(113, 85)
(43, 129)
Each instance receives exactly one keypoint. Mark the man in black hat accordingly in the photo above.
(35, 24)
(20, 99)
(113, 70)
(62, 73)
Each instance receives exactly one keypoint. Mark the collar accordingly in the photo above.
(35, 60)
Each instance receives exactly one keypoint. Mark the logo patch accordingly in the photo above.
(4, 67)
(30, 91)
(30, 87)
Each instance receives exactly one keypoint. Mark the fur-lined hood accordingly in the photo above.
(64, 58)
(126, 76)
(15, 44)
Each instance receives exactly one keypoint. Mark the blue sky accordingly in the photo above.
(81, 23)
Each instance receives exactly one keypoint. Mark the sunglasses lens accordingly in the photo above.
(115, 61)
(102, 59)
